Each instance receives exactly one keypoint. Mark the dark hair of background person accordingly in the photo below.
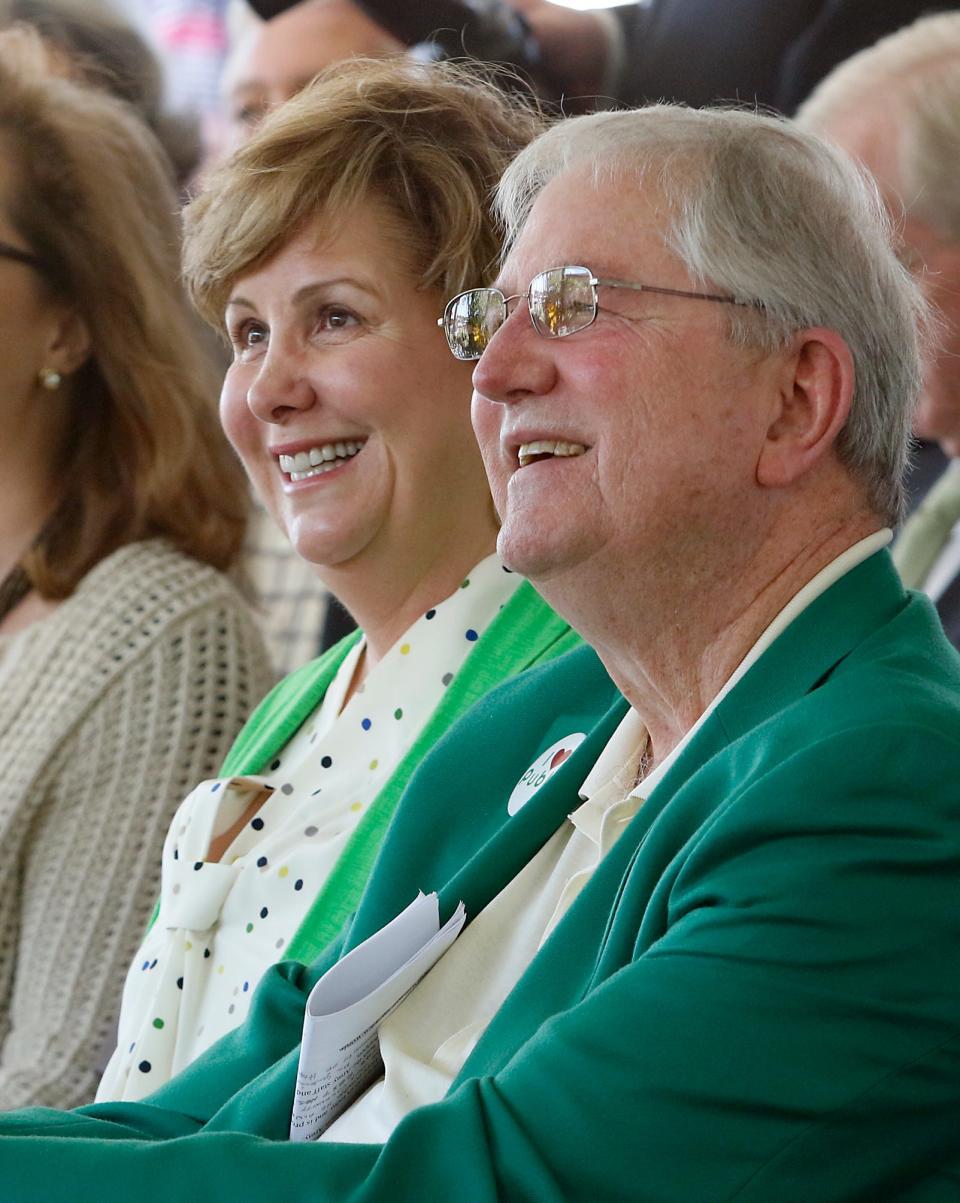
(90, 196)
(104, 49)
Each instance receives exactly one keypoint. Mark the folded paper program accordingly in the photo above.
(340, 1053)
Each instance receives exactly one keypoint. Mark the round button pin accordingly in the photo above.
(543, 769)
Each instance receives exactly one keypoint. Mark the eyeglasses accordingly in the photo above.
(20, 256)
(561, 301)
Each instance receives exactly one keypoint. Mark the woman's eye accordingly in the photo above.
(335, 317)
(247, 335)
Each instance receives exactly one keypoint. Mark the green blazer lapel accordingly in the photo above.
(799, 659)
(816, 641)
(452, 832)
(521, 837)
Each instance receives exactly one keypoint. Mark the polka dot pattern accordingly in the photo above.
(239, 915)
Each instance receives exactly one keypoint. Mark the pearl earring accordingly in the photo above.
(50, 379)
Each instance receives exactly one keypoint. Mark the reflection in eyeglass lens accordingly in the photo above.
(562, 301)
(471, 320)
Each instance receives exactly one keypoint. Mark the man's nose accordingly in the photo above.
(517, 361)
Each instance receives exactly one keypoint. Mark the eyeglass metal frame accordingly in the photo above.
(18, 255)
(540, 322)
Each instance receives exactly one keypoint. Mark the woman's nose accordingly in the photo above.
(281, 386)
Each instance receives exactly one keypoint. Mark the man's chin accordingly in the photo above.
(536, 555)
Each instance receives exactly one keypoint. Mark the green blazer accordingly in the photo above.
(756, 997)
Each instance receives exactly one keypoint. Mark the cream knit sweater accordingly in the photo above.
(111, 709)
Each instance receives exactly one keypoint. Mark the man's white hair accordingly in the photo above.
(782, 222)
(911, 79)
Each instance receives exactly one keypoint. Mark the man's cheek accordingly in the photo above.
(485, 417)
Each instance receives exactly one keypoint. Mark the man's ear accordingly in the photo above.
(69, 345)
(816, 392)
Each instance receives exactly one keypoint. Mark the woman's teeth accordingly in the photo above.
(318, 460)
(542, 447)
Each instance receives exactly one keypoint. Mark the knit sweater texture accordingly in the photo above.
(111, 709)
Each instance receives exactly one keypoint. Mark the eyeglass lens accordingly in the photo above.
(472, 319)
(561, 301)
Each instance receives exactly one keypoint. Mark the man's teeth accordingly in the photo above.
(318, 460)
(530, 451)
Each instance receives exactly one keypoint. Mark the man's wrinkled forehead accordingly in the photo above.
(601, 220)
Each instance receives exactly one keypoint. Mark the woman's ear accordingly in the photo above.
(816, 392)
(69, 345)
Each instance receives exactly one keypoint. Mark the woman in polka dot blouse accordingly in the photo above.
(326, 247)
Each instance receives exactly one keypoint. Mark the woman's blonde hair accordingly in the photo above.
(429, 142)
(92, 199)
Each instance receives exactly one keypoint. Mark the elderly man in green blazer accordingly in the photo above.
(711, 877)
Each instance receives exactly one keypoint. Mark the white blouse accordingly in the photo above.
(222, 924)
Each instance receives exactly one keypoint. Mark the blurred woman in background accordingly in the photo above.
(127, 659)
(326, 248)
(91, 41)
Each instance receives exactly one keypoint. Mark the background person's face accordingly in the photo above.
(936, 263)
(870, 133)
(281, 56)
(350, 415)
